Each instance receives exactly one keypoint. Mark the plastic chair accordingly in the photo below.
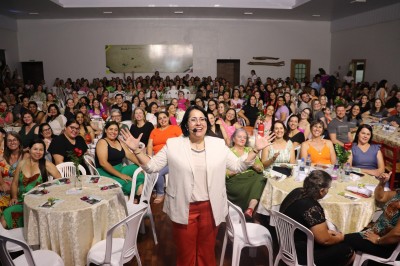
(244, 234)
(17, 233)
(67, 169)
(149, 182)
(361, 257)
(30, 258)
(297, 151)
(285, 228)
(91, 165)
(118, 251)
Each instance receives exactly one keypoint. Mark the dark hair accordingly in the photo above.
(248, 101)
(208, 104)
(40, 133)
(185, 119)
(107, 125)
(312, 185)
(55, 106)
(162, 112)
(316, 122)
(29, 113)
(290, 117)
(71, 121)
(358, 132)
(7, 151)
(286, 134)
(350, 115)
(145, 103)
(340, 105)
(33, 102)
(42, 161)
(150, 106)
(234, 120)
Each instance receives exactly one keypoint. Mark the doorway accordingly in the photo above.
(300, 69)
(357, 66)
(32, 71)
(229, 69)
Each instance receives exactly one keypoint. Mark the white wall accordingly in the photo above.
(379, 44)
(9, 41)
(75, 48)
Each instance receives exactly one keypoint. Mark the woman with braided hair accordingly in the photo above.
(302, 206)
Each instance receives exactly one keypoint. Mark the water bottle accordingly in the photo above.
(335, 173)
(347, 171)
(301, 166)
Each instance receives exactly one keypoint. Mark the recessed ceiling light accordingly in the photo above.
(172, 5)
(316, 15)
(248, 13)
(107, 12)
(152, 5)
(217, 5)
(33, 13)
(178, 12)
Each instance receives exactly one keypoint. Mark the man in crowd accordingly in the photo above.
(339, 128)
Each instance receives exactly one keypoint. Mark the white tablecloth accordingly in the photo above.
(72, 226)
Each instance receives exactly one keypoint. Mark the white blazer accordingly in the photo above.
(177, 154)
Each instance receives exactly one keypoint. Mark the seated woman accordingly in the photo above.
(158, 139)
(30, 172)
(55, 119)
(85, 130)
(302, 206)
(249, 112)
(380, 238)
(37, 114)
(29, 130)
(281, 150)
(304, 123)
(108, 159)
(245, 188)
(365, 155)
(295, 136)
(117, 117)
(6, 117)
(216, 130)
(140, 125)
(126, 111)
(377, 111)
(46, 134)
(320, 150)
(354, 118)
(230, 122)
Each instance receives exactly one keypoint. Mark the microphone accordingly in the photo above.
(194, 130)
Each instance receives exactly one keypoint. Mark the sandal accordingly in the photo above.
(159, 199)
(249, 213)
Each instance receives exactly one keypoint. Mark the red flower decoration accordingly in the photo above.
(347, 146)
(78, 152)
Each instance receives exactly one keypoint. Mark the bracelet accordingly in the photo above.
(378, 240)
(137, 153)
(255, 151)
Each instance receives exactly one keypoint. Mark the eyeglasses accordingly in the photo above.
(195, 120)
(114, 116)
(12, 140)
(74, 128)
(46, 129)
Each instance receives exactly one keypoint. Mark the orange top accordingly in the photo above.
(323, 157)
(160, 137)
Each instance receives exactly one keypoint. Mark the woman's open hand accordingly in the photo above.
(127, 138)
(262, 142)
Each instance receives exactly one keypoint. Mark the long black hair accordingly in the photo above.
(42, 161)
(185, 119)
(358, 132)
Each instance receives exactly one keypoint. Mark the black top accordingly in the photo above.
(61, 145)
(29, 137)
(126, 116)
(115, 156)
(218, 132)
(299, 138)
(251, 112)
(367, 107)
(391, 103)
(68, 114)
(145, 129)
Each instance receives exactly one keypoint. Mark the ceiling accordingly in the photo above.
(319, 10)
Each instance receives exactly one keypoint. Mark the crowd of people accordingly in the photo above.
(204, 138)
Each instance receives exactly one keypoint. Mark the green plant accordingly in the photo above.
(342, 154)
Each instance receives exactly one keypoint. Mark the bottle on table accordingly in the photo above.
(335, 172)
(347, 170)
(308, 163)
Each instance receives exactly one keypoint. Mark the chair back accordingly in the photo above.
(132, 225)
(67, 169)
(149, 182)
(134, 178)
(91, 165)
(297, 151)
(285, 229)
(236, 216)
(5, 256)
(16, 233)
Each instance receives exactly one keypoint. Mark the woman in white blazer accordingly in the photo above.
(196, 200)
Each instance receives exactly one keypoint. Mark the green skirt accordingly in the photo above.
(243, 187)
(127, 170)
(14, 216)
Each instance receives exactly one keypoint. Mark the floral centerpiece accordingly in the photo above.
(76, 157)
(343, 153)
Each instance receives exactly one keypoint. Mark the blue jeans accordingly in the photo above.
(159, 187)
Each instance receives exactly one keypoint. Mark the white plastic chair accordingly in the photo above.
(186, 93)
(17, 233)
(30, 258)
(244, 234)
(128, 123)
(362, 257)
(90, 164)
(149, 182)
(67, 169)
(285, 228)
(297, 151)
(118, 251)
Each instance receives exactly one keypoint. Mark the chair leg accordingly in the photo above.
(237, 249)
(153, 228)
(139, 262)
(270, 254)
(223, 250)
(142, 229)
(277, 259)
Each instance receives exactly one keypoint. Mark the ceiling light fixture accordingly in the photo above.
(217, 5)
(316, 15)
(33, 13)
(107, 12)
(248, 13)
(178, 12)
(152, 5)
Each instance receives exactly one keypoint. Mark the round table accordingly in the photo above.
(348, 215)
(72, 225)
